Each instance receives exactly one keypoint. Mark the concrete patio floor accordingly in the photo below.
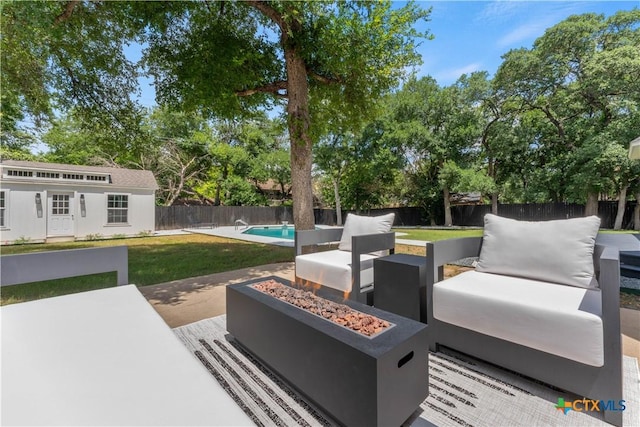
(181, 302)
(185, 301)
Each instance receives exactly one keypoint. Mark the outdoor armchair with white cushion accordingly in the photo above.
(102, 357)
(543, 301)
(348, 269)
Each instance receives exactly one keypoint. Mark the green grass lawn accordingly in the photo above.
(433, 235)
(152, 260)
(162, 259)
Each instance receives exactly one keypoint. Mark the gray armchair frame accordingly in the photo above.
(49, 265)
(598, 383)
(360, 245)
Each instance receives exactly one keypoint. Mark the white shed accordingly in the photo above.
(52, 202)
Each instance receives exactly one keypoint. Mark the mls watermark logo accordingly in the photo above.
(589, 405)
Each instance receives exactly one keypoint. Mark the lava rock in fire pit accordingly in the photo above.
(338, 313)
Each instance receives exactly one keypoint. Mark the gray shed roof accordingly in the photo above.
(120, 177)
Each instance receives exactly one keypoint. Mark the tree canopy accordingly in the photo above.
(552, 125)
(226, 59)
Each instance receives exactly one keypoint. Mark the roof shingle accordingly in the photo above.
(120, 177)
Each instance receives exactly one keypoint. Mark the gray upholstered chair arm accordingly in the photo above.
(313, 237)
(444, 251)
(364, 244)
(609, 281)
(367, 243)
(49, 265)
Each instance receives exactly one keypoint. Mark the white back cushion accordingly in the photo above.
(552, 251)
(356, 225)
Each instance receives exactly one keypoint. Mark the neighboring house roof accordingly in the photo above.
(634, 149)
(118, 177)
(472, 198)
(270, 185)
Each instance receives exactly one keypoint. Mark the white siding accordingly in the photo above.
(22, 220)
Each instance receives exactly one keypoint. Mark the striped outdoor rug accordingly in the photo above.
(462, 391)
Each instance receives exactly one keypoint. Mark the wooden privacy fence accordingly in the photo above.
(173, 217)
(176, 217)
(473, 215)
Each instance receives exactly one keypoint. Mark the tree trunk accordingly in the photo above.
(225, 175)
(216, 200)
(336, 186)
(448, 222)
(492, 173)
(297, 114)
(301, 154)
(494, 203)
(636, 213)
(622, 202)
(591, 208)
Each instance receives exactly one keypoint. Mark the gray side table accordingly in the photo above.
(400, 285)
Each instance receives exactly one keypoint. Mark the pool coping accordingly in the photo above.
(233, 232)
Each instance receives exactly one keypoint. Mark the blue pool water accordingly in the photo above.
(276, 231)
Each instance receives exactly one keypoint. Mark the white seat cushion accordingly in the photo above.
(333, 269)
(557, 319)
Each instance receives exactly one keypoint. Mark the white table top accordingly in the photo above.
(103, 358)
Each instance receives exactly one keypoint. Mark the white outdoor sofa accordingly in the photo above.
(543, 301)
(347, 270)
(101, 357)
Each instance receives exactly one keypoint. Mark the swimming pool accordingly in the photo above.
(275, 231)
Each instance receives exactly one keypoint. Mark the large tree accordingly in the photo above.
(580, 78)
(224, 59)
(436, 127)
(332, 157)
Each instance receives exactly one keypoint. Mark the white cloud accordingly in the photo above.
(524, 32)
(535, 22)
(499, 11)
(448, 76)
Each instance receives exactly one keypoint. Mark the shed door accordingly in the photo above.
(60, 214)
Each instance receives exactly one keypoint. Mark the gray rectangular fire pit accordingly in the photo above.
(357, 380)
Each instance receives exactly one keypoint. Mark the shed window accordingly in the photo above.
(60, 204)
(72, 176)
(117, 208)
(12, 172)
(48, 175)
(2, 209)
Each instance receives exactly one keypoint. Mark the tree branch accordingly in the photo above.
(66, 14)
(273, 88)
(270, 13)
(323, 79)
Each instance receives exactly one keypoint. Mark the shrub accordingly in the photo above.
(22, 240)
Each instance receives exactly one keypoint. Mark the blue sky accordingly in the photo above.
(473, 35)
